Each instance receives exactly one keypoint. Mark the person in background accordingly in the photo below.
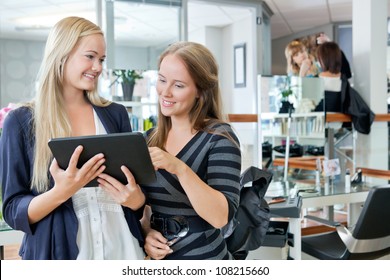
(60, 218)
(345, 67)
(299, 62)
(330, 59)
(197, 157)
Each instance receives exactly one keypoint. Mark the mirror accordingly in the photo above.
(304, 128)
(303, 93)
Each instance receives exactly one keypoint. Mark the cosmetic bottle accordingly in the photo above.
(347, 181)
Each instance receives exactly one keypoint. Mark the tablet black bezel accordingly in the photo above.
(129, 149)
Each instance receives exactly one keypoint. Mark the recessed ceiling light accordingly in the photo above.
(47, 21)
(32, 27)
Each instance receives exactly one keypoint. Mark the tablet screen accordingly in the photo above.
(129, 149)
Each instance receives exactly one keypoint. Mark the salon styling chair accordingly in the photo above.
(370, 238)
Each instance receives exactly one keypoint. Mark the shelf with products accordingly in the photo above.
(141, 104)
(143, 115)
(304, 127)
(304, 131)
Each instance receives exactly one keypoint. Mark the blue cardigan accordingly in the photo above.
(54, 237)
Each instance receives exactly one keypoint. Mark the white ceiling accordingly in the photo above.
(297, 15)
(135, 24)
(150, 25)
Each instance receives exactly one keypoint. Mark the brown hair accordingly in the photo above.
(329, 56)
(207, 110)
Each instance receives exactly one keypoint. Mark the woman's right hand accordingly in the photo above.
(66, 183)
(70, 180)
(156, 245)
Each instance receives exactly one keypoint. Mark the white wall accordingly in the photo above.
(19, 65)
(240, 100)
(20, 60)
(369, 51)
(221, 43)
(244, 98)
(127, 57)
(198, 35)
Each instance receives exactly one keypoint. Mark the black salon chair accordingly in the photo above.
(370, 239)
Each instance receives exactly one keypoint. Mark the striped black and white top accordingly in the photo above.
(217, 161)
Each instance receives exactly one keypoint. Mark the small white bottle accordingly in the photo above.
(318, 171)
(318, 180)
(347, 181)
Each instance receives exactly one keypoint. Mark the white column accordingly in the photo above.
(110, 34)
(369, 43)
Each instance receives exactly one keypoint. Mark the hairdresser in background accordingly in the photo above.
(329, 57)
(345, 68)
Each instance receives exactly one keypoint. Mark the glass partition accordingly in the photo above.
(304, 94)
(304, 128)
(142, 30)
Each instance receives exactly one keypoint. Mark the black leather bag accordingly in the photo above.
(354, 105)
(246, 232)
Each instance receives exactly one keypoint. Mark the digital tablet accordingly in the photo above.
(129, 149)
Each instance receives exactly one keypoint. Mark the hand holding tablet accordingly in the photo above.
(119, 149)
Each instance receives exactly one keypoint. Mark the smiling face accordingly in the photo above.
(85, 64)
(176, 89)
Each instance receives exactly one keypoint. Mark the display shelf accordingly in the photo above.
(306, 128)
(140, 114)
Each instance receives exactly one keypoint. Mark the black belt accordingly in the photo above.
(177, 226)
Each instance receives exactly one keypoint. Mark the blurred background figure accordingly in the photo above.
(299, 61)
(345, 67)
(329, 57)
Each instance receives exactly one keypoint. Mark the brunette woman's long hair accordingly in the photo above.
(207, 109)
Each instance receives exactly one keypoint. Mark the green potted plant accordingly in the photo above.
(127, 79)
(285, 93)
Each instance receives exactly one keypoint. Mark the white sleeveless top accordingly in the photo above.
(103, 233)
(332, 83)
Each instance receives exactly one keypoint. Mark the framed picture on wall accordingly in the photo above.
(240, 65)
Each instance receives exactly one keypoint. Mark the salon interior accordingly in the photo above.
(322, 172)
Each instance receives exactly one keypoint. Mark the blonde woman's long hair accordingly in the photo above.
(207, 110)
(49, 117)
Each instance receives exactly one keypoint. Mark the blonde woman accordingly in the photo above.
(299, 62)
(60, 218)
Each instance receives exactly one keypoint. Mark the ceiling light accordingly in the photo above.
(47, 21)
(32, 27)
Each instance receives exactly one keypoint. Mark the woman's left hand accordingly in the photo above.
(129, 195)
(156, 245)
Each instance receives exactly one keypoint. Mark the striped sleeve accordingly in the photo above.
(224, 168)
